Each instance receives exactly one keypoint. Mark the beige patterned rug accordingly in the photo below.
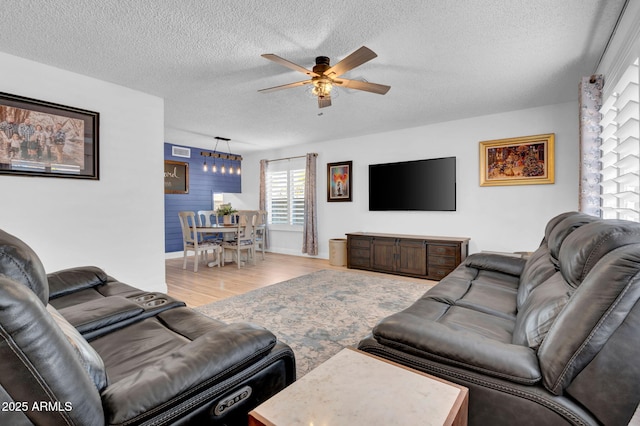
(320, 313)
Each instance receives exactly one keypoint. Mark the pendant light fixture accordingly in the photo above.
(217, 155)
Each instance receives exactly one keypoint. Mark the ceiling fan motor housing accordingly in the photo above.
(322, 64)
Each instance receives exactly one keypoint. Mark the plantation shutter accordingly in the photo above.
(285, 193)
(620, 148)
(297, 196)
(278, 197)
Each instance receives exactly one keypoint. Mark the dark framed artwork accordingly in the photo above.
(527, 160)
(176, 177)
(339, 181)
(39, 138)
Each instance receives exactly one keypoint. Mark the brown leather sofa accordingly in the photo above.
(77, 347)
(553, 339)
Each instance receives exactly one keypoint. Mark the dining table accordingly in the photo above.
(226, 230)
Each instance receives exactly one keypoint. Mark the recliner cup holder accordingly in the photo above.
(145, 297)
(156, 302)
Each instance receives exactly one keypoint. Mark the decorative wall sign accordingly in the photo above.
(176, 177)
(40, 138)
(525, 160)
(339, 181)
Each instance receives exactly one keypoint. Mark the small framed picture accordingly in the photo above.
(176, 177)
(525, 160)
(339, 181)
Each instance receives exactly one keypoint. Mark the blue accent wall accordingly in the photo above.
(202, 186)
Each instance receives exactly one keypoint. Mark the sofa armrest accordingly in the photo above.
(496, 262)
(192, 369)
(74, 279)
(100, 313)
(436, 341)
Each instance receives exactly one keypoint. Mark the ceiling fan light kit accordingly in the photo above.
(324, 76)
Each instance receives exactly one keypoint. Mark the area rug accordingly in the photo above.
(320, 313)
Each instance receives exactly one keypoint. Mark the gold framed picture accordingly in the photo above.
(527, 160)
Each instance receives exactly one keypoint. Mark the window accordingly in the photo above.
(285, 193)
(620, 149)
(218, 200)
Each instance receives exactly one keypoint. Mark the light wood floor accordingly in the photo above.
(213, 284)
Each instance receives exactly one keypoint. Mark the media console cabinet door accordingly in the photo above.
(412, 257)
(384, 254)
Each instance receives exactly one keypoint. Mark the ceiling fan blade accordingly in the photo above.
(324, 102)
(278, 60)
(285, 86)
(357, 58)
(380, 89)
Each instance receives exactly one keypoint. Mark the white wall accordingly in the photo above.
(502, 218)
(116, 222)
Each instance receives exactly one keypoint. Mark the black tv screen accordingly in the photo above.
(428, 185)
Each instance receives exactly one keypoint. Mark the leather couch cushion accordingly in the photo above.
(21, 264)
(485, 291)
(540, 311)
(553, 222)
(495, 262)
(544, 261)
(140, 359)
(459, 336)
(87, 356)
(83, 284)
(75, 279)
(39, 364)
(100, 313)
(562, 230)
(586, 246)
(597, 308)
(537, 270)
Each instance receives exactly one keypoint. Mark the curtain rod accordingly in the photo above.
(615, 29)
(289, 158)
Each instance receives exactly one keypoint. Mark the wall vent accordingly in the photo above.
(179, 151)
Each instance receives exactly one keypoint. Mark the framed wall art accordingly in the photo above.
(339, 181)
(39, 138)
(176, 177)
(527, 160)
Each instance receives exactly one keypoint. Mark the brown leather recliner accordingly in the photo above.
(170, 365)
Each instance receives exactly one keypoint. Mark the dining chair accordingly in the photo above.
(261, 231)
(191, 242)
(244, 240)
(208, 218)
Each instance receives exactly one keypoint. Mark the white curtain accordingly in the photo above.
(590, 141)
(310, 230)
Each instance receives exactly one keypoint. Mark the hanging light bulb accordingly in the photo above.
(238, 170)
(204, 168)
(214, 168)
(222, 169)
(231, 169)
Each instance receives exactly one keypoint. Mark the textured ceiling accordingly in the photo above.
(444, 60)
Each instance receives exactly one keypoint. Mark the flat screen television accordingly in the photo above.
(427, 185)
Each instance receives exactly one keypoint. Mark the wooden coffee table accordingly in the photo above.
(357, 388)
